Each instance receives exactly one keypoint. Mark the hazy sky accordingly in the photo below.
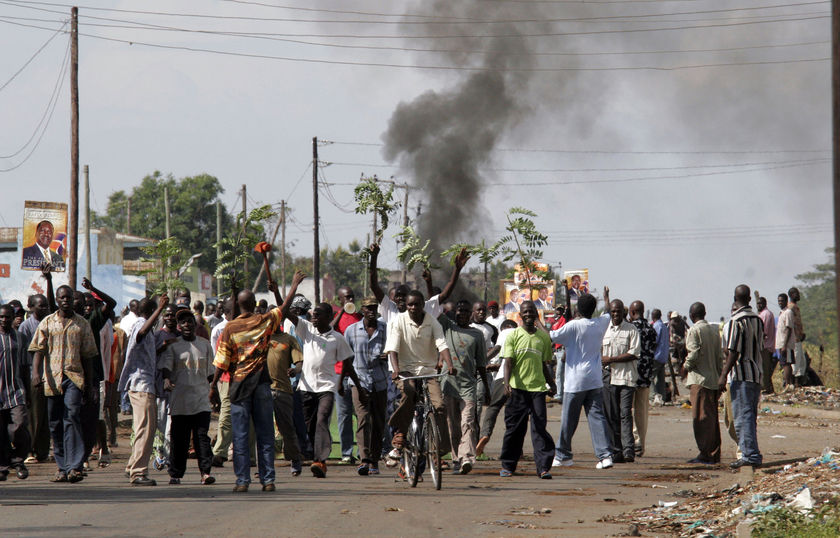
(671, 184)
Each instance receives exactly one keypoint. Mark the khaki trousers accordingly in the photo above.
(460, 416)
(144, 410)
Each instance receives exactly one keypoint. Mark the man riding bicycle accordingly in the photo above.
(416, 346)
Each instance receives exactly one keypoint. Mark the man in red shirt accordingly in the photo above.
(560, 319)
(344, 316)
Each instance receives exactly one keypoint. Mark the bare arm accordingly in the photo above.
(374, 274)
(395, 364)
(110, 303)
(272, 287)
(46, 272)
(731, 358)
(460, 262)
(287, 304)
(144, 330)
(427, 278)
(36, 367)
(508, 365)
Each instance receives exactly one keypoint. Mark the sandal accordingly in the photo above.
(75, 476)
(60, 476)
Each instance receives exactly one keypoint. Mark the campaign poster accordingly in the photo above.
(513, 293)
(578, 283)
(44, 235)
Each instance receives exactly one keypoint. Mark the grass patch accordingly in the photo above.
(822, 522)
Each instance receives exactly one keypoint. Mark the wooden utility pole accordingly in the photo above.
(218, 246)
(835, 101)
(316, 256)
(88, 272)
(245, 216)
(74, 147)
(283, 247)
(128, 217)
(405, 223)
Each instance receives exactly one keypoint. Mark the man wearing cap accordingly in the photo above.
(494, 318)
(343, 317)
(370, 395)
(187, 368)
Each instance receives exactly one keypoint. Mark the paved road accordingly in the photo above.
(346, 504)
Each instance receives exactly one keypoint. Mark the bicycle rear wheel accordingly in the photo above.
(433, 450)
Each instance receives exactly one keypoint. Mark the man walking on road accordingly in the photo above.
(647, 341)
(745, 341)
(14, 419)
(701, 371)
(139, 379)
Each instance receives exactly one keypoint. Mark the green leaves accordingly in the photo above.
(234, 250)
(168, 252)
(414, 250)
(370, 198)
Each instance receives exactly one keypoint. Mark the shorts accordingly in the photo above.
(786, 356)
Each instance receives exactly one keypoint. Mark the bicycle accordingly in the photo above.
(423, 439)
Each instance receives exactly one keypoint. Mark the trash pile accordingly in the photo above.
(799, 486)
(821, 397)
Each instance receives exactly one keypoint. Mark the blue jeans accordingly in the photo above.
(744, 410)
(344, 410)
(592, 401)
(559, 372)
(64, 411)
(259, 407)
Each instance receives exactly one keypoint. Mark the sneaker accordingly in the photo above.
(466, 467)
(319, 469)
(174, 481)
(557, 462)
(363, 469)
(391, 462)
(504, 473)
(104, 459)
(562, 463)
(373, 471)
(143, 481)
(456, 467)
(605, 463)
(657, 400)
(545, 475)
(30, 460)
(479, 447)
(348, 460)
(395, 453)
(207, 480)
(296, 468)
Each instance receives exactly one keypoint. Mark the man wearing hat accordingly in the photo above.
(494, 318)
(187, 368)
(370, 394)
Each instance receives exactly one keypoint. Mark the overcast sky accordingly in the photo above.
(671, 184)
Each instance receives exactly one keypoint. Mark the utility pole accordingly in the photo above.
(128, 217)
(245, 216)
(74, 147)
(283, 247)
(87, 225)
(218, 248)
(316, 256)
(405, 223)
(835, 101)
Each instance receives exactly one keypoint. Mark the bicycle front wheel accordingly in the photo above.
(413, 454)
(433, 452)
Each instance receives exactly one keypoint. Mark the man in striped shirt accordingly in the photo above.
(14, 419)
(745, 340)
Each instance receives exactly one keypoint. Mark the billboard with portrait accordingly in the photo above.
(577, 282)
(44, 235)
(513, 293)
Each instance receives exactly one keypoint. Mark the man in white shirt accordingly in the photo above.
(494, 318)
(416, 346)
(620, 352)
(786, 342)
(323, 347)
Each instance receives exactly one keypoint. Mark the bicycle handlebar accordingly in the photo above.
(420, 377)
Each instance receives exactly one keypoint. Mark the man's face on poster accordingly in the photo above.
(514, 296)
(44, 234)
(543, 294)
(576, 282)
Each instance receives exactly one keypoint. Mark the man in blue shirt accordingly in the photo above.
(370, 394)
(583, 388)
(660, 355)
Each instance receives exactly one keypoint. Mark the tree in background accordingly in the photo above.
(818, 304)
(192, 203)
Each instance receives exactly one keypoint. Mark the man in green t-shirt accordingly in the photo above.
(526, 353)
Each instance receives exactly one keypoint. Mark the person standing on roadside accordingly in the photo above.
(745, 340)
(786, 342)
(800, 367)
(641, 403)
(767, 363)
(701, 371)
(660, 355)
(64, 350)
(139, 379)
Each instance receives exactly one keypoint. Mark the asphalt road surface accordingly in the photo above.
(343, 503)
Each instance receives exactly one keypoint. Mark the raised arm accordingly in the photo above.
(374, 273)
(144, 330)
(46, 272)
(427, 278)
(606, 298)
(285, 308)
(460, 262)
(272, 287)
(110, 303)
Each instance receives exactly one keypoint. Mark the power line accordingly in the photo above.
(298, 181)
(618, 152)
(44, 123)
(29, 61)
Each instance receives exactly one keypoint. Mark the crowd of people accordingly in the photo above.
(69, 366)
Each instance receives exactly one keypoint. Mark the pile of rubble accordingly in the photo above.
(820, 397)
(800, 486)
